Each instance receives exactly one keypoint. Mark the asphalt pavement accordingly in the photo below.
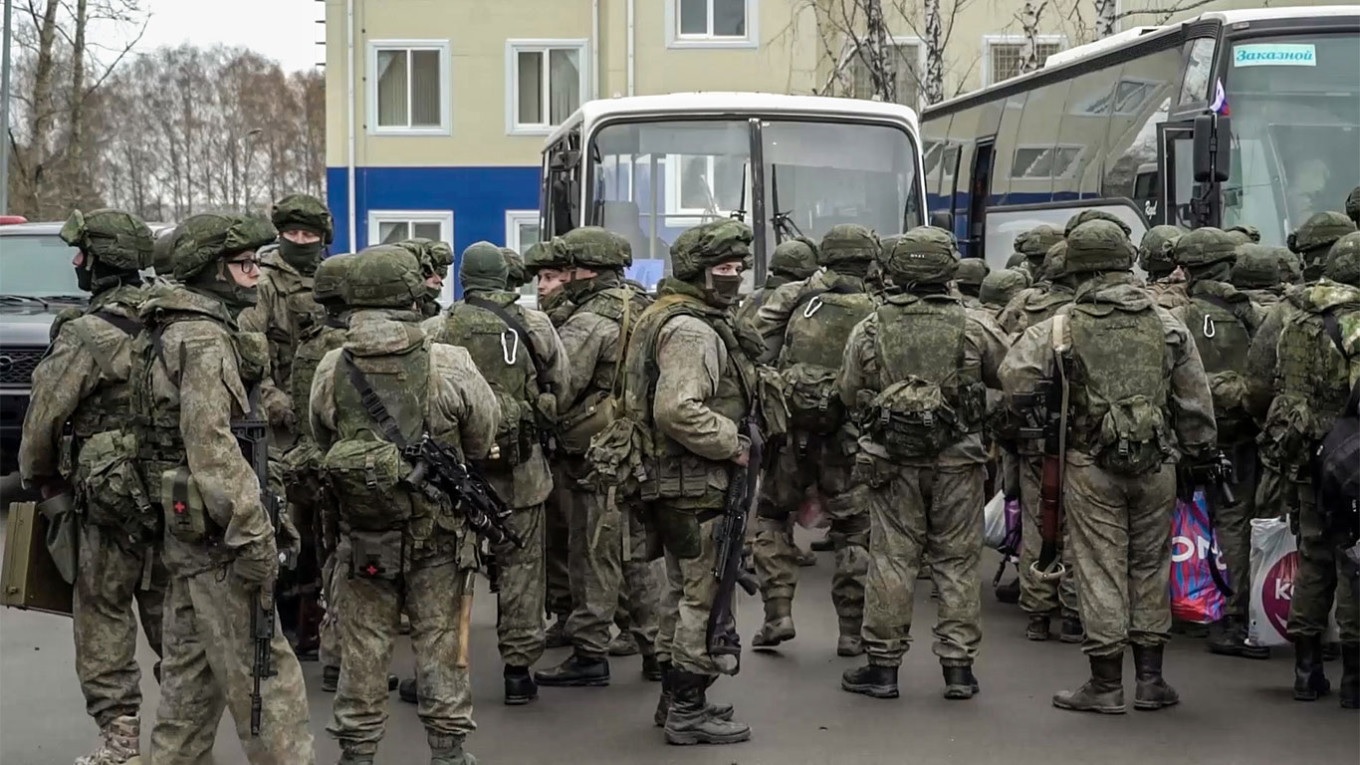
(1233, 711)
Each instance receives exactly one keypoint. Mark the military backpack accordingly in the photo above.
(814, 348)
(1223, 329)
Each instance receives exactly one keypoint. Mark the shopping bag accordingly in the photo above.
(1195, 596)
(1274, 564)
(1001, 524)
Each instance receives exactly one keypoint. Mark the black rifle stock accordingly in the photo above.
(1215, 478)
(730, 535)
(439, 470)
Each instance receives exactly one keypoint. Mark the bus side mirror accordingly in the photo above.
(1211, 155)
(944, 220)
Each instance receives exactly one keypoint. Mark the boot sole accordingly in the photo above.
(872, 691)
(850, 652)
(1153, 706)
(600, 682)
(690, 739)
(773, 640)
(1035, 637)
(961, 692)
(1104, 710)
(519, 701)
(1071, 639)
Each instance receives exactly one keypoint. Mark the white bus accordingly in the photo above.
(1239, 117)
(649, 167)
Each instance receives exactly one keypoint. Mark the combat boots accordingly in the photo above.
(1350, 675)
(1103, 693)
(849, 643)
(577, 671)
(871, 680)
(1039, 627)
(1071, 630)
(1310, 682)
(688, 721)
(1228, 637)
(556, 634)
(330, 678)
(663, 705)
(623, 644)
(520, 687)
(448, 750)
(120, 744)
(651, 668)
(778, 626)
(348, 757)
(1152, 691)
(960, 683)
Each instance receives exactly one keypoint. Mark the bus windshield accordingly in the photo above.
(652, 180)
(1295, 107)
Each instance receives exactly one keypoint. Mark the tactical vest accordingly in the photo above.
(1119, 387)
(814, 348)
(321, 340)
(1222, 331)
(1040, 308)
(508, 366)
(612, 304)
(1312, 382)
(928, 398)
(110, 404)
(304, 313)
(672, 471)
(598, 406)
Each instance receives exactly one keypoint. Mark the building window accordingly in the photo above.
(392, 226)
(546, 80)
(704, 187)
(522, 232)
(1044, 161)
(408, 87)
(1006, 54)
(909, 62)
(711, 23)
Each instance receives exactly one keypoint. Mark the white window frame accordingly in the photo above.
(1152, 87)
(541, 45)
(676, 40)
(445, 86)
(990, 40)
(677, 216)
(513, 220)
(896, 41)
(443, 217)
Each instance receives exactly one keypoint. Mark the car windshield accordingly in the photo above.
(36, 265)
(1295, 106)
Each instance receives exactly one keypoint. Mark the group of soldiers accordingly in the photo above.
(248, 423)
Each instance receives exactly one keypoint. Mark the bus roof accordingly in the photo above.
(736, 104)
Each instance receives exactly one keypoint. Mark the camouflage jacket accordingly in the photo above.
(1033, 305)
(591, 338)
(1171, 292)
(285, 312)
(83, 380)
(772, 318)
(1191, 405)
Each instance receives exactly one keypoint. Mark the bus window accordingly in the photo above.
(1091, 100)
(1005, 136)
(1132, 141)
(1199, 67)
(963, 133)
(1032, 152)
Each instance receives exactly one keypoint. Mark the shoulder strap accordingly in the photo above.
(126, 324)
(807, 297)
(372, 402)
(1235, 310)
(1333, 328)
(518, 328)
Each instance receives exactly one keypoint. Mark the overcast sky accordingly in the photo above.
(285, 30)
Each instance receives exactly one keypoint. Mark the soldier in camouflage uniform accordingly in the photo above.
(594, 336)
(1312, 241)
(1165, 281)
(794, 260)
(1139, 397)
(1258, 273)
(195, 385)
(1302, 366)
(690, 386)
(400, 548)
(1033, 247)
(163, 260)
(1244, 234)
(1000, 288)
(487, 322)
(916, 374)
(968, 281)
(1222, 322)
(804, 326)
(83, 383)
(1353, 206)
(435, 260)
(1037, 302)
(515, 275)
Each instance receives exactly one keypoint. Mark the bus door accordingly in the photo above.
(1175, 157)
(979, 193)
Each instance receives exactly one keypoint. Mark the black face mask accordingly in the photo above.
(85, 276)
(722, 291)
(304, 257)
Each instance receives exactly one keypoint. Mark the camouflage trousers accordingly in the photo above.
(1324, 575)
(691, 552)
(108, 580)
(557, 547)
(1232, 527)
(916, 513)
(1120, 532)
(641, 592)
(370, 613)
(519, 616)
(331, 652)
(207, 669)
(783, 488)
(1036, 595)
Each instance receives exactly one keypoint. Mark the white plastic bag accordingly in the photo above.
(1274, 563)
(994, 522)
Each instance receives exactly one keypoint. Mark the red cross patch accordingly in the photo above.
(372, 570)
(179, 508)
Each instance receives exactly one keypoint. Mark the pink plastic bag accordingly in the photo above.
(1194, 595)
(812, 512)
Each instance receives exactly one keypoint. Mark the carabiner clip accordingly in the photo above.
(1208, 326)
(813, 306)
(509, 346)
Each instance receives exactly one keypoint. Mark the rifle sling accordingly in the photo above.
(516, 326)
(126, 324)
(372, 402)
(1333, 329)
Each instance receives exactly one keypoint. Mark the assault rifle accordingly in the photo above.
(1046, 415)
(1215, 478)
(730, 535)
(439, 470)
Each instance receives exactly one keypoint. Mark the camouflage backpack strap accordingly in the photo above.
(516, 326)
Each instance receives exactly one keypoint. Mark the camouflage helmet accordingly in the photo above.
(1343, 260)
(847, 243)
(434, 257)
(1204, 247)
(1291, 265)
(483, 267)
(1091, 214)
(1035, 243)
(118, 240)
(163, 251)
(971, 272)
(204, 239)
(544, 255)
(595, 248)
(1258, 266)
(1154, 251)
(1013, 261)
(385, 276)
(1244, 234)
(709, 244)
(923, 255)
(1000, 286)
(1055, 262)
(303, 212)
(1353, 205)
(515, 276)
(1319, 232)
(1098, 245)
(329, 282)
(795, 258)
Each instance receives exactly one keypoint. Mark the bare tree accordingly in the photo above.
(1030, 17)
(1106, 15)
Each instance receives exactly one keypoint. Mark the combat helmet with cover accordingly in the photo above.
(302, 212)
(925, 255)
(544, 255)
(793, 260)
(329, 291)
(1314, 238)
(1258, 267)
(116, 245)
(1244, 233)
(970, 275)
(515, 276)
(1035, 243)
(1091, 214)
(384, 276)
(1098, 245)
(595, 248)
(328, 286)
(1001, 286)
(1353, 205)
(1199, 251)
(206, 241)
(1343, 261)
(847, 243)
(1154, 250)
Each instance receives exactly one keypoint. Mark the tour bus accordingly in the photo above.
(649, 167)
(1239, 117)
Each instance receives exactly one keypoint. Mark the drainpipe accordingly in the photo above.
(632, 36)
(349, 121)
(594, 48)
